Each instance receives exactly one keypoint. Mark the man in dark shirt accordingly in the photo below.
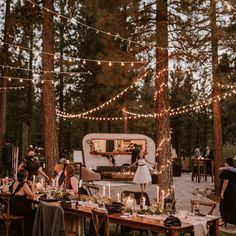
(135, 153)
(209, 155)
(7, 156)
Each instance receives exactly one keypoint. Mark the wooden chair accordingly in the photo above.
(91, 189)
(171, 202)
(137, 196)
(206, 206)
(5, 215)
(211, 205)
(100, 222)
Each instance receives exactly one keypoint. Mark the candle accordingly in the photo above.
(118, 197)
(162, 199)
(53, 183)
(67, 161)
(109, 190)
(42, 182)
(144, 202)
(158, 194)
(104, 191)
(33, 179)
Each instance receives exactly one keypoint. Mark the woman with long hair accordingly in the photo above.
(71, 181)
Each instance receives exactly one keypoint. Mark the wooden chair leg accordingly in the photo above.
(7, 224)
(23, 228)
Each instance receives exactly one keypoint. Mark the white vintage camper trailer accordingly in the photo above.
(107, 149)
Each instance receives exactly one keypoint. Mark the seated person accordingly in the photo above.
(21, 187)
(20, 205)
(60, 174)
(71, 180)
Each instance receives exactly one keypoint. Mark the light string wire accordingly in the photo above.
(186, 108)
(38, 71)
(11, 88)
(70, 58)
(115, 36)
(78, 115)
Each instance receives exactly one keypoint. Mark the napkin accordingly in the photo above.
(199, 224)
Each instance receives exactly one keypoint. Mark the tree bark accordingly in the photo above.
(217, 131)
(30, 89)
(61, 81)
(3, 83)
(162, 100)
(49, 103)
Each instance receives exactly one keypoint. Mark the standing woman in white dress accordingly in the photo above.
(142, 175)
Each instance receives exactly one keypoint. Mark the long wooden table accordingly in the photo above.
(143, 223)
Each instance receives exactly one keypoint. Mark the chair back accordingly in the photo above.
(5, 213)
(206, 206)
(169, 203)
(100, 222)
(137, 196)
(49, 220)
(5, 204)
(91, 189)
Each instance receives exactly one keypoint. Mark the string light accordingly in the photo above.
(37, 71)
(78, 115)
(115, 35)
(12, 88)
(118, 118)
(225, 86)
(75, 59)
(184, 109)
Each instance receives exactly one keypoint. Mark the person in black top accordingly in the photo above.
(7, 156)
(135, 153)
(60, 174)
(208, 153)
(228, 193)
(20, 205)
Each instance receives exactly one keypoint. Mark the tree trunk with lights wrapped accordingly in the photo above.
(163, 145)
(49, 103)
(4, 61)
(217, 131)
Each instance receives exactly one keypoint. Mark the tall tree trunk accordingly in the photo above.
(5, 61)
(30, 88)
(61, 79)
(49, 103)
(162, 100)
(217, 132)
